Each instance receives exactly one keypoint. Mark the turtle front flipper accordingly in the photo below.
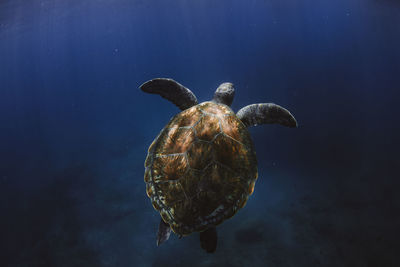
(172, 91)
(266, 113)
(208, 240)
(164, 232)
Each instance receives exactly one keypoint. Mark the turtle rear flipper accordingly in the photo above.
(164, 232)
(208, 240)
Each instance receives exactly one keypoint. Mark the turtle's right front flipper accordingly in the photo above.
(164, 232)
(266, 113)
(172, 91)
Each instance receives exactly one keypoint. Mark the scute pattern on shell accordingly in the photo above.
(201, 168)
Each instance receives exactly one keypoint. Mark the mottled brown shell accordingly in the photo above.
(201, 168)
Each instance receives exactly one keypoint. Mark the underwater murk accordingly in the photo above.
(95, 171)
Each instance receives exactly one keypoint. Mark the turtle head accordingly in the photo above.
(224, 94)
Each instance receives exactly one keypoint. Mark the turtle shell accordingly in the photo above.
(201, 168)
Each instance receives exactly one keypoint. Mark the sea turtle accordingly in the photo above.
(202, 167)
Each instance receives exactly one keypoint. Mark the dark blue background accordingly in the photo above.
(74, 128)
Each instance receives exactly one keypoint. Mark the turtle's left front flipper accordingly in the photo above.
(172, 91)
(266, 113)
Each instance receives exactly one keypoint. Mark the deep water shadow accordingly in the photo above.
(395, 3)
(249, 235)
(44, 229)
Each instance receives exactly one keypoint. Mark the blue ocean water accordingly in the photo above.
(75, 128)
